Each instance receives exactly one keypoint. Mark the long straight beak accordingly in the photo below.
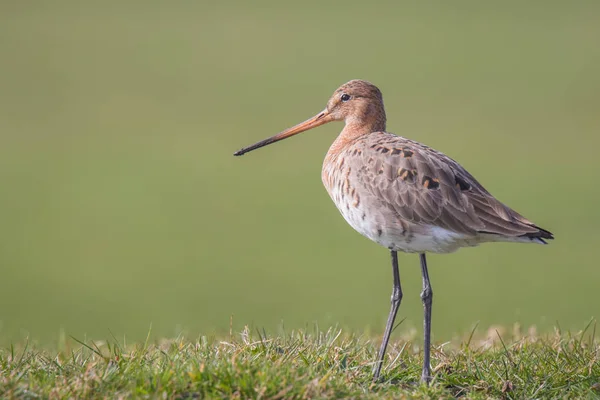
(319, 119)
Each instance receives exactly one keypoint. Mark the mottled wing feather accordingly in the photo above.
(425, 187)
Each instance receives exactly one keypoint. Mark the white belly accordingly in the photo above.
(385, 228)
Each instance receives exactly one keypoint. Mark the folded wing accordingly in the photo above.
(426, 187)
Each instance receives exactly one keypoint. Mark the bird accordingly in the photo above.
(404, 195)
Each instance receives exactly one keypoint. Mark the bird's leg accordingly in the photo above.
(396, 298)
(426, 297)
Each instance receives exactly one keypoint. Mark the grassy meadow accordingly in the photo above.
(306, 364)
(122, 206)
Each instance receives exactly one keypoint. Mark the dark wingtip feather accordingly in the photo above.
(541, 234)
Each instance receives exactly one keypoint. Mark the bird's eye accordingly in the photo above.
(345, 97)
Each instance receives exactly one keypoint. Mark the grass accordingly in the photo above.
(308, 364)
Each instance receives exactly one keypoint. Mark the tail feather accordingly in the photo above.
(540, 235)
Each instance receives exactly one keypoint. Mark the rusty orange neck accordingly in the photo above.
(353, 130)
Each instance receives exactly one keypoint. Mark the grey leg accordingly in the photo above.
(396, 298)
(426, 297)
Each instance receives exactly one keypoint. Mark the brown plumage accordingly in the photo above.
(404, 195)
(413, 187)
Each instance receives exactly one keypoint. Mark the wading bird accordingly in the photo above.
(404, 195)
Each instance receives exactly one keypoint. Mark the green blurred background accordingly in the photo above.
(122, 206)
